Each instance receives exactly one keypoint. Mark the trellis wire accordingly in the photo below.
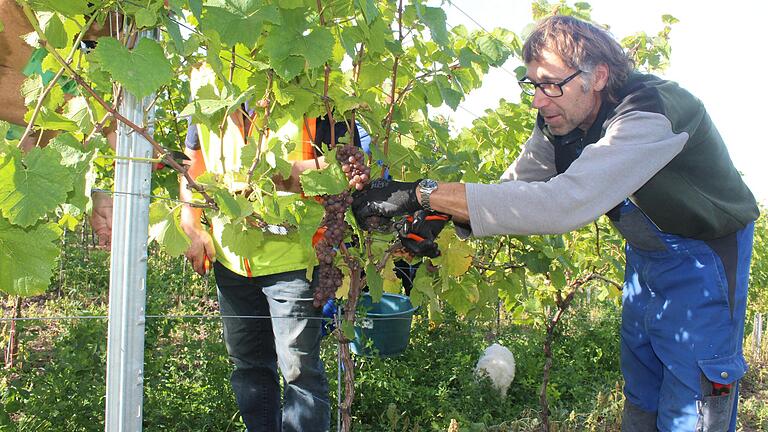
(157, 197)
(193, 316)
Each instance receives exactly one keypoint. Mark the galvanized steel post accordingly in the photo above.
(128, 270)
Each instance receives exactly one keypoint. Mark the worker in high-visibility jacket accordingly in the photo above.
(270, 283)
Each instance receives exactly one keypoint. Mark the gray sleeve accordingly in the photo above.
(636, 146)
(536, 161)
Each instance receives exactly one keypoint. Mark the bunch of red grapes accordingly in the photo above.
(352, 160)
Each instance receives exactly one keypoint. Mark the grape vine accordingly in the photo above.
(291, 57)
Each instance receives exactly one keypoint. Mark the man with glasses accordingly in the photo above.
(642, 150)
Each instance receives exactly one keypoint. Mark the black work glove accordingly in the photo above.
(387, 198)
(417, 233)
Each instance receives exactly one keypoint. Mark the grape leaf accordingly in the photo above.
(301, 99)
(370, 12)
(28, 192)
(142, 70)
(242, 240)
(492, 48)
(456, 255)
(291, 4)
(31, 89)
(422, 287)
(375, 283)
(348, 329)
(165, 228)
(467, 57)
(289, 67)
(459, 296)
(53, 29)
(310, 214)
(450, 96)
(230, 206)
(557, 276)
(317, 47)
(196, 6)
(77, 110)
(373, 74)
(66, 8)
(392, 283)
(51, 120)
(434, 18)
(287, 44)
(239, 21)
(342, 291)
(175, 33)
(328, 181)
(4, 128)
(350, 37)
(68, 219)
(147, 17)
(27, 257)
(81, 165)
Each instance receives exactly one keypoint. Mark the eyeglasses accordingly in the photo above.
(548, 88)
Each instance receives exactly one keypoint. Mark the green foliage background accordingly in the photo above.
(404, 63)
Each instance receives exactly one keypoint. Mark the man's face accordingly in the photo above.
(575, 108)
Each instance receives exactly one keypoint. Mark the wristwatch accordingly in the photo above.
(426, 187)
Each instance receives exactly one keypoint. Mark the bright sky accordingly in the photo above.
(717, 54)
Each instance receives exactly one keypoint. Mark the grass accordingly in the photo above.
(58, 382)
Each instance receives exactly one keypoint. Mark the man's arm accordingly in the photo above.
(635, 147)
(451, 199)
(536, 162)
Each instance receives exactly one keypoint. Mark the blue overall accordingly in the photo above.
(684, 303)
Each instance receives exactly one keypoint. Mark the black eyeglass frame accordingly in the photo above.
(526, 83)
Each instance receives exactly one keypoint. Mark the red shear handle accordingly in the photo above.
(419, 231)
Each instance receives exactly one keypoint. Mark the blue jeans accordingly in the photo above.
(682, 327)
(257, 347)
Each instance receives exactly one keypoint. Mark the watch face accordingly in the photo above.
(428, 184)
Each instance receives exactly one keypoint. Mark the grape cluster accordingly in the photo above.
(378, 223)
(352, 160)
(329, 275)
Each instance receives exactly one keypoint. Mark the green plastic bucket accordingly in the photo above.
(387, 325)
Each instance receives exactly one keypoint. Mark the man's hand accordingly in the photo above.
(387, 198)
(101, 218)
(418, 232)
(200, 250)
